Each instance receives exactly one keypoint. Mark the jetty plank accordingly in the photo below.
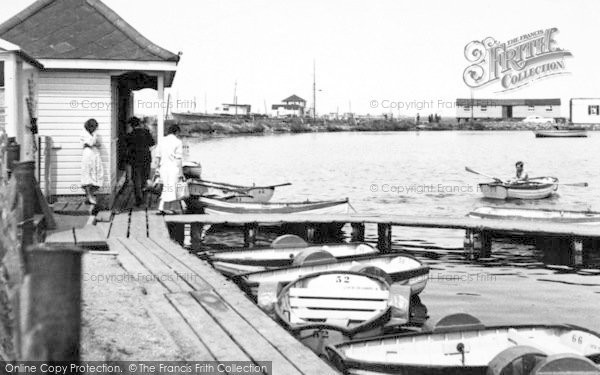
(62, 237)
(161, 308)
(220, 343)
(90, 237)
(184, 273)
(120, 225)
(491, 225)
(156, 225)
(305, 360)
(156, 268)
(242, 332)
(137, 224)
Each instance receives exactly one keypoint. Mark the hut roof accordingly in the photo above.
(79, 29)
(293, 98)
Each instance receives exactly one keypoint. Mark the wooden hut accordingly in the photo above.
(93, 61)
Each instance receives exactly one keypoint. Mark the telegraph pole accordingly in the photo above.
(314, 93)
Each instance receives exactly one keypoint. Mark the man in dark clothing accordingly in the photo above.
(139, 142)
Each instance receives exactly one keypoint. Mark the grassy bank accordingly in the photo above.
(232, 126)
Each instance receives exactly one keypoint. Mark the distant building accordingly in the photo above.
(506, 109)
(293, 106)
(585, 110)
(234, 109)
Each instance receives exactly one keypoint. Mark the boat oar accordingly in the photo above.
(577, 184)
(482, 174)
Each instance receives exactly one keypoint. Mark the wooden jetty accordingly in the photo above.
(477, 241)
(207, 316)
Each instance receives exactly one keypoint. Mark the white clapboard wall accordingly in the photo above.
(65, 101)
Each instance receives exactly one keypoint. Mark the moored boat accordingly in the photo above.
(330, 307)
(536, 214)
(535, 188)
(233, 193)
(233, 262)
(216, 206)
(567, 133)
(471, 349)
(401, 269)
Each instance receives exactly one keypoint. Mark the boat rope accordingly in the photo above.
(349, 205)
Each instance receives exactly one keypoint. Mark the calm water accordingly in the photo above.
(424, 174)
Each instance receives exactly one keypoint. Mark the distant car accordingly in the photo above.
(539, 120)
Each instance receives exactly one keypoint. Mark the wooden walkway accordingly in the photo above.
(208, 316)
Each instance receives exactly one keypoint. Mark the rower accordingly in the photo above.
(520, 175)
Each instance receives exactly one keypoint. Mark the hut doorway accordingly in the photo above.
(123, 87)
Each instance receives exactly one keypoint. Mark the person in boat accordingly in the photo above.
(520, 174)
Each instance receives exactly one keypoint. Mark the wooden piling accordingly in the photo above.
(576, 253)
(196, 232)
(311, 233)
(384, 241)
(177, 232)
(24, 174)
(358, 232)
(468, 244)
(50, 306)
(250, 233)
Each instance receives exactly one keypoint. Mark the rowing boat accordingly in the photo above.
(536, 214)
(233, 193)
(535, 188)
(471, 349)
(330, 307)
(401, 269)
(233, 262)
(574, 133)
(217, 206)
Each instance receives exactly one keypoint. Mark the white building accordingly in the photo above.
(93, 62)
(234, 109)
(585, 110)
(293, 106)
(506, 109)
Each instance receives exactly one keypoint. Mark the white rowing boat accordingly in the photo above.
(216, 207)
(535, 188)
(234, 262)
(232, 193)
(470, 349)
(570, 133)
(342, 300)
(402, 269)
(536, 214)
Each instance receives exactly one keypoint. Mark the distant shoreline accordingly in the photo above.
(230, 127)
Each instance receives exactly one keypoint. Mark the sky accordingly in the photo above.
(365, 52)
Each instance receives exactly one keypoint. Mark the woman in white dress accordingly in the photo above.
(92, 174)
(169, 153)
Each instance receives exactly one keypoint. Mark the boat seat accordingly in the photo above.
(335, 304)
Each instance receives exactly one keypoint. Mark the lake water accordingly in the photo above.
(423, 173)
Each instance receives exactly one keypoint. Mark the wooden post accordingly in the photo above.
(483, 244)
(384, 241)
(311, 233)
(358, 232)
(196, 233)
(177, 232)
(576, 252)
(51, 305)
(250, 232)
(468, 244)
(24, 173)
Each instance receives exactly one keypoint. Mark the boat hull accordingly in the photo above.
(546, 215)
(232, 262)
(218, 207)
(404, 270)
(560, 134)
(536, 189)
(404, 354)
(232, 193)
